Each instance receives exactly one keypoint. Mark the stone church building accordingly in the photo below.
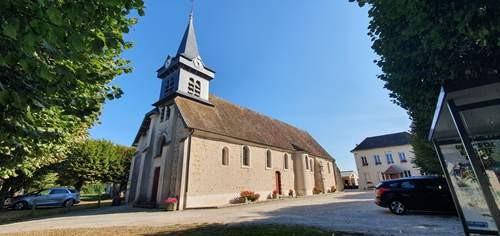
(204, 150)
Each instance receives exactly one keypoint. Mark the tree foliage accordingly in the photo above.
(95, 161)
(423, 43)
(57, 58)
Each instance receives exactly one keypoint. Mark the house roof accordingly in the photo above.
(388, 140)
(347, 173)
(225, 118)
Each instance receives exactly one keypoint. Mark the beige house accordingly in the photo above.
(384, 157)
(350, 179)
(204, 150)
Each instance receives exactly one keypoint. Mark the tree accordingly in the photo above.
(423, 43)
(95, 161)
(57, 58)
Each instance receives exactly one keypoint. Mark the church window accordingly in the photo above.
(191, 86)
(225, 156)
(162, 115)
(328, 166)
(197, 88)
(307, 163)
(194, 87)
(312, 164)
(167, 115)
(161, 144)
(268, 159)
(246, 156)
(285, 161)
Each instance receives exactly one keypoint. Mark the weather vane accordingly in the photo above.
(192, 8)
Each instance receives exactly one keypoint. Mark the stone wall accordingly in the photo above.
(210, 183)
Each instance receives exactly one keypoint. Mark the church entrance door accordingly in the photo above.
(278, 182)
(156, 178)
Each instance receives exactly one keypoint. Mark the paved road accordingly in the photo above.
(349, 211)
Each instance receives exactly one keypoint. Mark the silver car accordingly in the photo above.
(65, 197)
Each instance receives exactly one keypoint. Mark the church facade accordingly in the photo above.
(204, 150)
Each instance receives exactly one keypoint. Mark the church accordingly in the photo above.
(204, 150)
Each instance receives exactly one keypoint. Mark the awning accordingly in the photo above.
(393, 169)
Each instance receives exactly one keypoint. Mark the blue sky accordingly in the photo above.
(307, 63)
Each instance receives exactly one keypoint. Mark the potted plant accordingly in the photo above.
(171, 203)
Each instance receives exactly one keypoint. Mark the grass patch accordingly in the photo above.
(12, 216)
(194, 230)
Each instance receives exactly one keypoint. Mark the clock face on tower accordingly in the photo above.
(197, 62)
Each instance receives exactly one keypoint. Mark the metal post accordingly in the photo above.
(476, 164)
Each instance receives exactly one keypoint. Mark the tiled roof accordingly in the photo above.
(227, 119)
(387, 140)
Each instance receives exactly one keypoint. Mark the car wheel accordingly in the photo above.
(69, 203)
(397, 207)
(20, 205)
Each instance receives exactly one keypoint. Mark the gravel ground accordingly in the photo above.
(348, 211)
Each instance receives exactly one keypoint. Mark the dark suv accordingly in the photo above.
(426, 193)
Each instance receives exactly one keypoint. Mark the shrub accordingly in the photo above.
(250, 196)
(317, 190)
(333, 189)
(275, 193)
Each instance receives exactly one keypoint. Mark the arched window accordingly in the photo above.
(307, 163)
(191, 86)
(194, 87)
(246, 156)
(225, 156)
(197, 88)
(285, 161)
(269, 159)
(161, 144)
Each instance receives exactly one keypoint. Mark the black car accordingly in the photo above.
(426, 193)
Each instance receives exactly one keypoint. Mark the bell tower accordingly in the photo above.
(185, 74)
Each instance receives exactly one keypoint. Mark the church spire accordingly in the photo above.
(189, 47)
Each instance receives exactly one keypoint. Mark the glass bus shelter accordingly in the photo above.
(466, 135)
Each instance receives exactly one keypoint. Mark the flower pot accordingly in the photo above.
(171, 206)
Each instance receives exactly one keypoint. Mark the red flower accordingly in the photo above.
(171, 200)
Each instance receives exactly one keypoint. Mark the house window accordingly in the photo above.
(268, 159)
(285, 161)
(389, 158)
(246, 156)
(225, 156)
(307, 163)
(364, 161)
(402, 157)
(377, 160)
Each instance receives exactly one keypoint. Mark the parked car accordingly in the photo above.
(65, 197)
(425, 193)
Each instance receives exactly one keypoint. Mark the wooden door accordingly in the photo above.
(278, 182)
(156, 178)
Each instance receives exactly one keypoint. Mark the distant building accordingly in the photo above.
(350, 179)
(204, 150)
(384, 157)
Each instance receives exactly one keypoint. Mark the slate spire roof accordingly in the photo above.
(189, 47)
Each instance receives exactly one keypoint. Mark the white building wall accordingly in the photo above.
(373, 173)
